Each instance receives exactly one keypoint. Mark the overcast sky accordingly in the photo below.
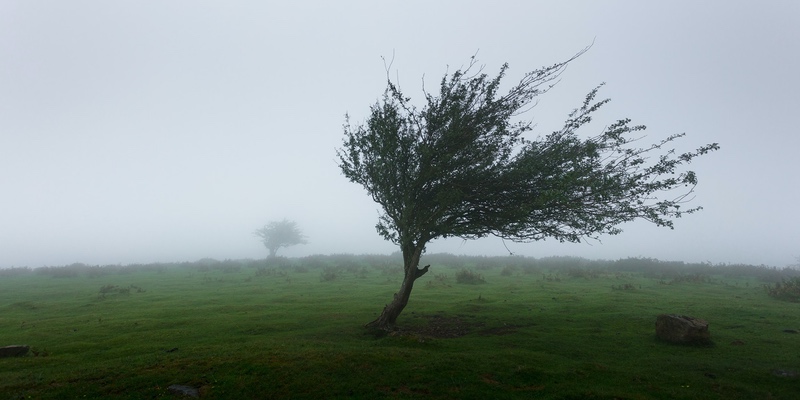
(144, 131)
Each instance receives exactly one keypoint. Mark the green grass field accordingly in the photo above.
(558, 329)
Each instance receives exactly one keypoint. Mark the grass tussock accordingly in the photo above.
(787, 289)
(469, 277)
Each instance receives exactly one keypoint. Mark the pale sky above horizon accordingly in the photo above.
(162, 131)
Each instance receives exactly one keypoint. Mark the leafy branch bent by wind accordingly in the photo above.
(461, 167)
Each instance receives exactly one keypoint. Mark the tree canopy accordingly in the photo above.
(461, 166)
(277, 234)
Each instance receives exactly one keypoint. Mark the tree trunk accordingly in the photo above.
(411, 255)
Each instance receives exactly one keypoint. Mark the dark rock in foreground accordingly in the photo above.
(14, 351)
(682, 329)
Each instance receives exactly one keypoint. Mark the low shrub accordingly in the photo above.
(300, 269)
(468, 277)
(624, 286)
(786, 289)
(272, 271)
(508, 270)
(107, 289)
(439, 280)
(329, 274)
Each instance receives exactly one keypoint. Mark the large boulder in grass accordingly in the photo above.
(682, 329)
(14, 351)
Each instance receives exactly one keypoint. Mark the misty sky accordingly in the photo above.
(144, 131)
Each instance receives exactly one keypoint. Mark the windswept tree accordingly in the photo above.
(279, 234)
(461, 167)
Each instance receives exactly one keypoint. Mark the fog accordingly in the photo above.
(153, 131)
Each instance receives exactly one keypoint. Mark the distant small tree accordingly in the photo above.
(279, 234)
(461, 167)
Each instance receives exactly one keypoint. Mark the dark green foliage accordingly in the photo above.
(461, 166)
(508, 270)
(329, 274)
(583, 273)
(469, 277)
(787, 289)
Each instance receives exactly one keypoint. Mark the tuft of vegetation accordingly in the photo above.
(583, 273)
(508, 270)
(787, 289)
(624, 286)
(468, 277)
(329, 274)
(108, 289)
(439, 280)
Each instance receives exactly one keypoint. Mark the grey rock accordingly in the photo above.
(14, 351)
(682, 329)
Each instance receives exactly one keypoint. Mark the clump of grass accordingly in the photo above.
(231, 269)
(508, 270)
(439, 280)
(390, 269)
(624, 286)
(108, 289)
(551, 278)
(329, 274)
(786, 289)
(468, 277)
(300, 269)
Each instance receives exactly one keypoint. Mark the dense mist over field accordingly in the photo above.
(148, 131)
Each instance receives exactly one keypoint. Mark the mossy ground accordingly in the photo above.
(290, 331)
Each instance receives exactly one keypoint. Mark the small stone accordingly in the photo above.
(14, 351)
